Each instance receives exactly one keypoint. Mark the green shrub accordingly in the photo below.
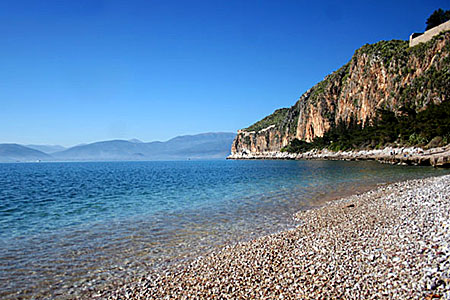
(416, 139)
(276, 118)
(407, 128)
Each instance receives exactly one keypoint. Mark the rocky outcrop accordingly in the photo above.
(436, 157)
(387, 75)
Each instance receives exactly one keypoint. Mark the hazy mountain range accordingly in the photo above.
(201, 146)
(49, 149)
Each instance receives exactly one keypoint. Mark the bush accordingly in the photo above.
(408, 128)
(417, 139)
(274, 119)
(297, 146)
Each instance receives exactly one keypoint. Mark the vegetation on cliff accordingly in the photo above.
(277, 117)
(430, 126)
(386, 51)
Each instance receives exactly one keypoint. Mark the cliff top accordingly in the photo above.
(383, 51)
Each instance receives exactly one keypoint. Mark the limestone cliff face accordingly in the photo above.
(387, 75)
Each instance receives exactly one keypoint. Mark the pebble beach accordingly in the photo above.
(389, 243)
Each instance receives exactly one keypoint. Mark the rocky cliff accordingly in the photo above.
(387, 75)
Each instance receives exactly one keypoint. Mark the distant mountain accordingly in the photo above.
(47, 148)
(205, 145)
(106, 150)
(15, 152)
(136, 141)
(200, 146)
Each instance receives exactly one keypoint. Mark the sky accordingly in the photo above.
(88, 70)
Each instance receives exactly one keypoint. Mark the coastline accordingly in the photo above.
(390, 243)
(436, 157)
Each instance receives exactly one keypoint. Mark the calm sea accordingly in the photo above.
(67, 228)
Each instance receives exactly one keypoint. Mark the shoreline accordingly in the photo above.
(391, 242)
(436, 157)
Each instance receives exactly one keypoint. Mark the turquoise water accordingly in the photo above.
(68, 227)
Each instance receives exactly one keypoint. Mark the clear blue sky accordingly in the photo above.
(86, 70)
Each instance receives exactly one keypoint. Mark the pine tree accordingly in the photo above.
(438, 17)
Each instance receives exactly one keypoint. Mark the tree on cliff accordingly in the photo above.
(438, 17)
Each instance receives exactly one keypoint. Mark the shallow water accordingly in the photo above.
(66, 228)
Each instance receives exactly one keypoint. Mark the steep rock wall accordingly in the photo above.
(387, 75)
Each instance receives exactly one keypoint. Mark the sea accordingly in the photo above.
(70, 229)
